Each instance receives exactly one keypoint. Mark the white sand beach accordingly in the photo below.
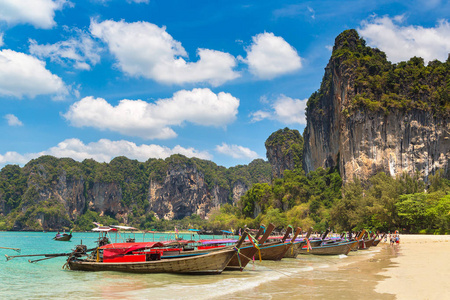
(420, 270)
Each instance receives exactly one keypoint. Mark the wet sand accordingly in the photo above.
(324, 277)
(420, 270)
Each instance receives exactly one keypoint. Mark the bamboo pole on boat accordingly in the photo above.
(9, 257)
(36, 260)
(15, 249)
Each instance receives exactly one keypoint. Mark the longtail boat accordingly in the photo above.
(151, 258)
(377, 241)
(277, 250)
(364, 244)
(246, 253)
(331, 249)
(294, 249)
(64, 237)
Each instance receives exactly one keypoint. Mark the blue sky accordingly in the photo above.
(208, 79)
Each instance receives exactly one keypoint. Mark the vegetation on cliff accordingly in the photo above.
(379, 85)
(285, 148)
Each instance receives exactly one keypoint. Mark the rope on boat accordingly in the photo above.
(256, 245)
(238, 252)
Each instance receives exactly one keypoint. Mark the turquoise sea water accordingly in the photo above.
(46, 279)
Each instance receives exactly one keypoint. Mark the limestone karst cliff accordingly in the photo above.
(284, 151)
(370, 115)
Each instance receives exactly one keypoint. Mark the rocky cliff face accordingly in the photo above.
(379, 135)
(284, 151)
(56, 192)
(183, 193)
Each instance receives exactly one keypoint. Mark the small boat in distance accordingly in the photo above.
(63, 237)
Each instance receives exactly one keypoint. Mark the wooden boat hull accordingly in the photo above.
(376, 242)
(274, 251)
(210, 263)
(365, 244)
(294, 250)
(246, 254)
(332, 249)
(63, 238)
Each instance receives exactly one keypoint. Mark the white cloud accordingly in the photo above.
(22, 74)
(236, 151)
(39, 13)
(103, 151)
(154, 120)
(81, 51)
(13, 120)
(285, 110)
(139, 1)
(144, 49)
(313, 13)
(400, 43)
(270, 56)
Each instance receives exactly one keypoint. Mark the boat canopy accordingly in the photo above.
(177, 242)
(118, 249)
(194, 230)
(104, 229)
(226, 231)
(123, 227)
(210, 242)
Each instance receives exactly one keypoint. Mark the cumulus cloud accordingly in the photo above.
(270, 56)
(236, 151)
(154, 120)
(103, 151)
(146, 50)
(285, 110)
(80, 51)
(13, 120)
(22, 74)
(39, 13)
(400, 43)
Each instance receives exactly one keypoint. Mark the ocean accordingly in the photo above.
(306, 277)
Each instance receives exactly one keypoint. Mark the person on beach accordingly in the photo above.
(391, 239)
(385, 238)
(397, 239)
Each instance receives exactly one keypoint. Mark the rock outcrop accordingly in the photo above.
(364, 128)
(284, 151)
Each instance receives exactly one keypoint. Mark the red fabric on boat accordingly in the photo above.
(113, 250)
